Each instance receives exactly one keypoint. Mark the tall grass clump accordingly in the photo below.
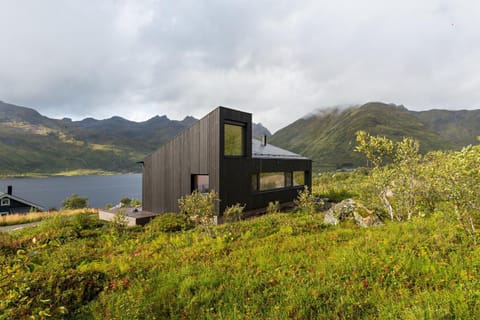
(234, 213)
(14, 219)
(305, 201)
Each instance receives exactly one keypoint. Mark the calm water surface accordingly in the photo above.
(100, 190)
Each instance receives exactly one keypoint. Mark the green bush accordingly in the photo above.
(200, 208)
(169, 222)
(75, 202)
(234, 213)
(273, 207)
(125, 201)
(135, 203)
(119, 221)
(305, 201)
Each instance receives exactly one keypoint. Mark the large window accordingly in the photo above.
(201, 182)
(264, 181)
(272, 180)
(234, 144)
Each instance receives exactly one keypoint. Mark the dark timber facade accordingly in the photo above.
(10, 204)
(218, 153)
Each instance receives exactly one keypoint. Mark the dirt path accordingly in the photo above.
(18, 226)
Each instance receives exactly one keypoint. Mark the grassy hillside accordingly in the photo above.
(328, 137)
(280, 266)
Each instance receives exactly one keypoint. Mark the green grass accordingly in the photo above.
(278, 266)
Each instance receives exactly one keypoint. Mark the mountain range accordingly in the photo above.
(328, 136)
(35, 144)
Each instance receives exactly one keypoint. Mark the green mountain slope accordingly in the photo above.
(32, 143)
(328, 137)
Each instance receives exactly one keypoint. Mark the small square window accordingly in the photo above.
(5, 202)
(201, 182)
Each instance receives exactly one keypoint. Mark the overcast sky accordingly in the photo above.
(278, 59)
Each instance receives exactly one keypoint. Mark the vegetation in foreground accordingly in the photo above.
(424, 262)
(277, 266)
(14, 219)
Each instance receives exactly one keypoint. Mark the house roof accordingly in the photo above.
(270, 151)
(31, 204)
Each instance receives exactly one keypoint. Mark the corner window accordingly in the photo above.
(5, 202)
(201, 182)
(234, 136)
(298, 178)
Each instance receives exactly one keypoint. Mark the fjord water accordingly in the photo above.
(100, 190)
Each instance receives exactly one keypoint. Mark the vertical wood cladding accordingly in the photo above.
(200, 150)
(167, 172)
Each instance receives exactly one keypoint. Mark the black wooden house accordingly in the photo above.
(218, 153)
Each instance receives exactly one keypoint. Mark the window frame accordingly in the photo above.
(288, 184)
(5, 202)
(303, 178)
(194, 183)
(243, 126)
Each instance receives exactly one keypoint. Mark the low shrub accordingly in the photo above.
(273, 207)
(200, 208)
(234, 213)
(75, 202)
(169, 222)
(305, 201)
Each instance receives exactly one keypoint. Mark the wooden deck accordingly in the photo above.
(134, 216)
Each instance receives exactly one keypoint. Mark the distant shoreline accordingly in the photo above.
(72, 173)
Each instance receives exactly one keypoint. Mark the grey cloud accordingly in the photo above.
(277, 59)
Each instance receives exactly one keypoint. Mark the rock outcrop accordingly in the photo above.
(350, 209)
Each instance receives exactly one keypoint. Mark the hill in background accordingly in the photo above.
(34, 144)
(328, 136)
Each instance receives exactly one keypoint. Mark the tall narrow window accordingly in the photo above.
(254, 182)
(288, 179)
(234, 136)
(201, 182)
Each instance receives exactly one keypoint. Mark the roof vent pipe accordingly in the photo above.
(9, 190)
(264, 140)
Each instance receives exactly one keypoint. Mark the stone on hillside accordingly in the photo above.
(330, 219)
(350, 209)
